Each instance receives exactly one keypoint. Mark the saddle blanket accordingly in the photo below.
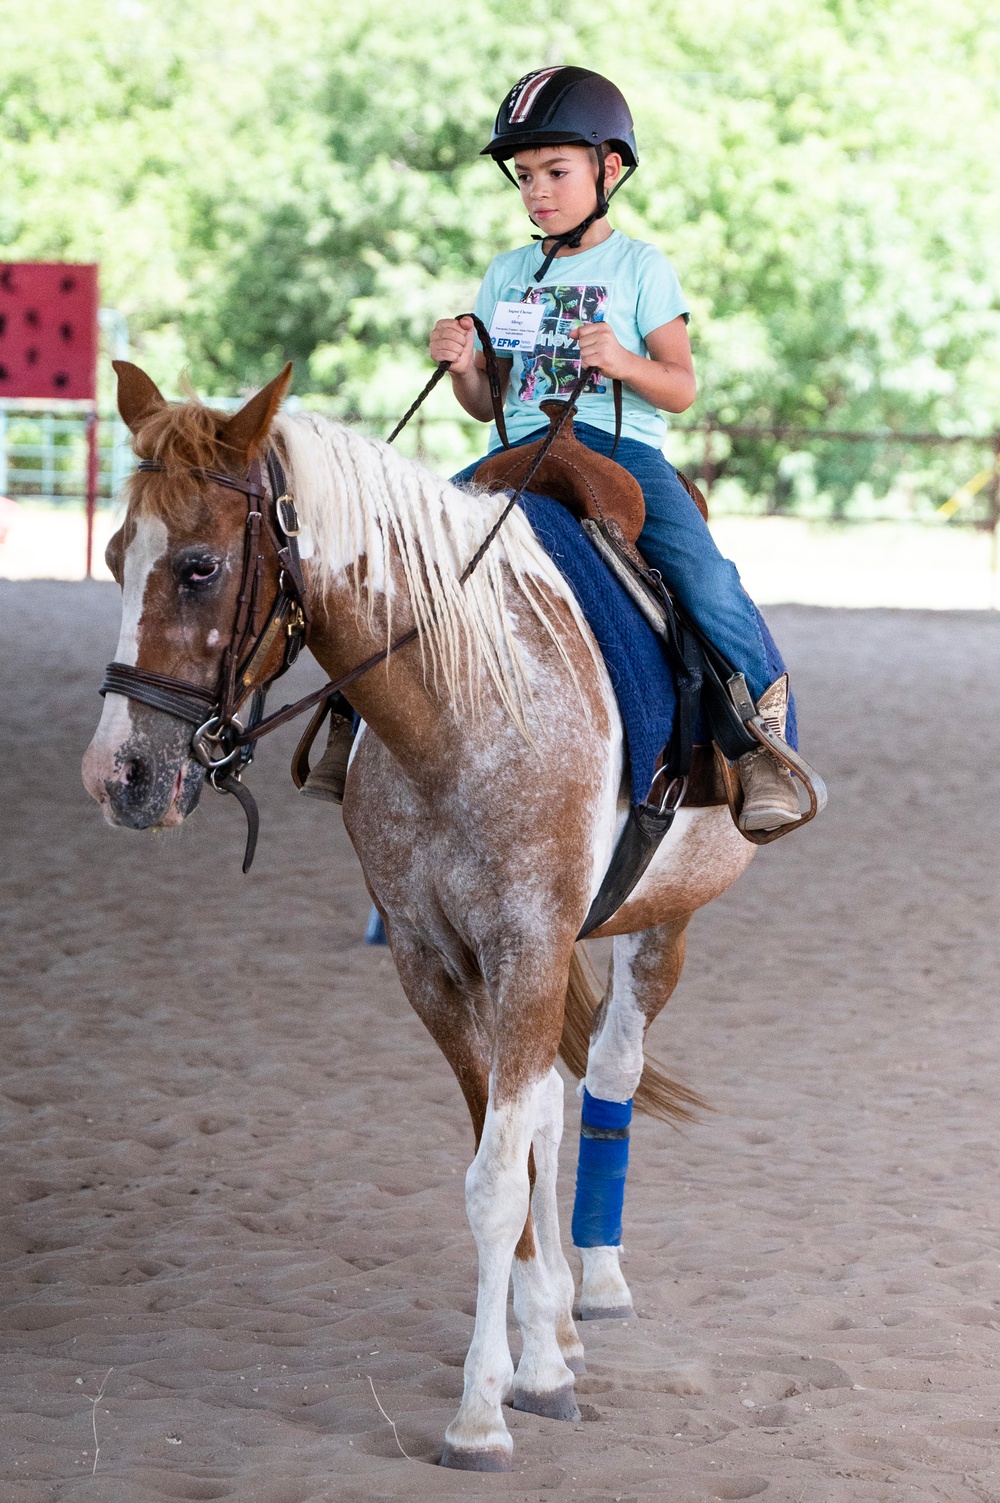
(635, 657)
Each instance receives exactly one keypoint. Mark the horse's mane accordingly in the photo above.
(367, 506)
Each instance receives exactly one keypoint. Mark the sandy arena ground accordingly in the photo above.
(220, 1119)
(904, 565)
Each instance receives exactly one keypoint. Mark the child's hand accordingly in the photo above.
(453, 339)
(599, 348)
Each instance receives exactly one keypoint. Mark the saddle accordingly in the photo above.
(609, 503)
(592, 486)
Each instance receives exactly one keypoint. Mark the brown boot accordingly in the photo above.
(327, 778)
(770, 793)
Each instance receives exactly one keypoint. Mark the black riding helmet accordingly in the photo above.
(565, 107)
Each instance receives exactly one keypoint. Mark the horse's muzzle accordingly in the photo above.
(149, 780)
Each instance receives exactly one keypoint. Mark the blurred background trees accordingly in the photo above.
(302, 181)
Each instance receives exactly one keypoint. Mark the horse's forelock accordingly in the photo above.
(181, 436)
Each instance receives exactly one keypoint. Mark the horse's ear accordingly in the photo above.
(246, 429)
(137, 394)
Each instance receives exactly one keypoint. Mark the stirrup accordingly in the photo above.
(323, 781)
(779, 748)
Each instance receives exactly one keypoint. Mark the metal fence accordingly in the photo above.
(43, 453)
(898, 476)
(876, 476)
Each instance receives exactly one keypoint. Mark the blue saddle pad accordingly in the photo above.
(635, 657)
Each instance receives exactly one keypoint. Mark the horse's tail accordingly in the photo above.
(656, 1095)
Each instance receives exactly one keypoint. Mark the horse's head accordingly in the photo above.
(179, 559)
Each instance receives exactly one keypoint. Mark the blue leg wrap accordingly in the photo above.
(600, 1175)
(375, 933)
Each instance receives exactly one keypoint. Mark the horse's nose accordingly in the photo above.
(135, 774)
(129, 790)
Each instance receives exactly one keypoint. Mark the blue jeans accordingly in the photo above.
(677, 542)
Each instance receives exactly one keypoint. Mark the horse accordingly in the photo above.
(485, 794)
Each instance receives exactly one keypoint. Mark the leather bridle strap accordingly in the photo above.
(246, 654)
(171, 695)
(249, 487)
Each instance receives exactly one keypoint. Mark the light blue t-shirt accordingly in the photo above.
(627, 282)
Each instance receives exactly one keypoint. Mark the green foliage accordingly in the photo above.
(262, 183)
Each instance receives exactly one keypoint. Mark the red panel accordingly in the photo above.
(48, 329)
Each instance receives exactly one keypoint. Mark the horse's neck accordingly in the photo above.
(392, 698)
(473, 633)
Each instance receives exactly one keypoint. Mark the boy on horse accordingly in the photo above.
(590, 296)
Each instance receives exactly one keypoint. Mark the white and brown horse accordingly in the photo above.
(484, 798)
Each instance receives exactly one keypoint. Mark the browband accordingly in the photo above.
(245, 487)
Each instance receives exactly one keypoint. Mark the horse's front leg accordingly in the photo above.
(497, 1195)
(543, 1282)
(645, 970)
(528, 1004)
(514, 1096)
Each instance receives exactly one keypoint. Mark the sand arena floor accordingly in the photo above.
(233, 1201)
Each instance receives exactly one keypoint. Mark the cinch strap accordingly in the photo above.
(601, 1171)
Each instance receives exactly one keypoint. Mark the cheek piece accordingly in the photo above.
(601, 1171)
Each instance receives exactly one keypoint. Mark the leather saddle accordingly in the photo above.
(590, 485)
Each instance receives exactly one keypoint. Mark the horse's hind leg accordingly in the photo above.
(543, 1283)
(645, 970)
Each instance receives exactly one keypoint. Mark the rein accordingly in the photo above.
(221, 742)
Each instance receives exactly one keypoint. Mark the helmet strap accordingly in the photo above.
(573, 237)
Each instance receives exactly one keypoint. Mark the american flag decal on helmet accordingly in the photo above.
(527, 92)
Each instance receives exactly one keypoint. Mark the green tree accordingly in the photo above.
(262, 184)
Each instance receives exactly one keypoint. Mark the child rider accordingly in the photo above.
(600, 299)
(596, 298)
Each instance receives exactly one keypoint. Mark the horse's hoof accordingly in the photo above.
(607, 1312)
(560, 1404)
(493, 1460)
(576, 1365)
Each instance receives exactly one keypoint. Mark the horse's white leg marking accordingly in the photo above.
(543, 1284)
(614, 1065)
(115, 726)
(496, 1196)
(603, 1290)
(545, 1209)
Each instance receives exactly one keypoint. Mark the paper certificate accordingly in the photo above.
(514, 327)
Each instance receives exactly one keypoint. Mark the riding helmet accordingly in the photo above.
(563, 107)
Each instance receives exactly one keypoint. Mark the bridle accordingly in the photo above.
(221, 741)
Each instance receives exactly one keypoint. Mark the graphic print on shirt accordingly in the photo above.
(555, 362)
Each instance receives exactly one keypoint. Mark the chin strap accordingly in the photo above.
(573, 237)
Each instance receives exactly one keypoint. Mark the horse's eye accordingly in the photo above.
(194, 572)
